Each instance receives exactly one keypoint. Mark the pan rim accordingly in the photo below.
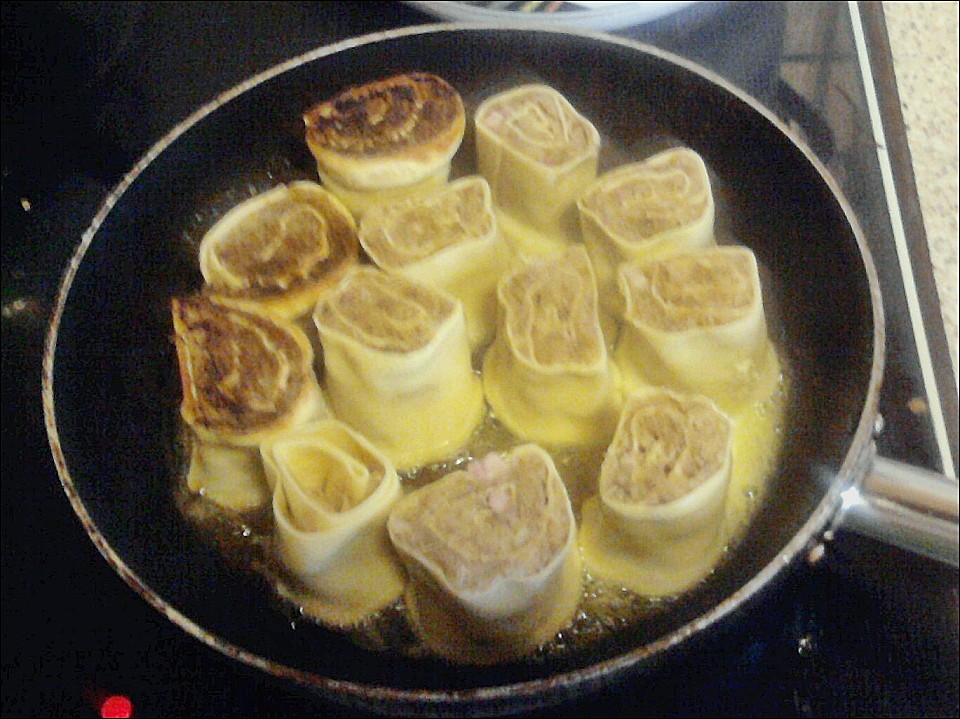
(533, 691)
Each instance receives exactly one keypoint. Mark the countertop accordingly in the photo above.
(923, 40)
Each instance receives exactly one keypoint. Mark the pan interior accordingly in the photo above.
(116, 392)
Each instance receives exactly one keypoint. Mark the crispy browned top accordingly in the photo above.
(240, 371)
(385, 115)
(287, 245)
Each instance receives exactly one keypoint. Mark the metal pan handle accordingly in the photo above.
(910, 507)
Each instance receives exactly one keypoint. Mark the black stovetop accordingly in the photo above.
(88, 87)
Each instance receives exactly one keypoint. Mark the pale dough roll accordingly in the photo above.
(547, 375)
(538, 154)
(399, 132)
(280, 249)
(359, 202)
(643, 211)
(492, 558)
(397, 365)
(332, 493)
(231, 477)
(656, 525)
(447, 239)
(695, 322)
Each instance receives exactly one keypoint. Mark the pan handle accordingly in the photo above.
(910, 507)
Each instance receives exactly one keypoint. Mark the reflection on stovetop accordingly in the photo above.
(87, 87)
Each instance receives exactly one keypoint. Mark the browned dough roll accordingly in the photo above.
(385, 136)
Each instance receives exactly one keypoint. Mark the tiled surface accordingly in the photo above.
(923, 39)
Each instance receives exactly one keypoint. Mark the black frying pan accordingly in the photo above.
(111, 391)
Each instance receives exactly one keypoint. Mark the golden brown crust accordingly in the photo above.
(388, 132)
(283, 248)
(241, 372)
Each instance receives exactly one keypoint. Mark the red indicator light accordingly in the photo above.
(116, 707)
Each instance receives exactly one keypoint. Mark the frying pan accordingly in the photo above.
(111, 391)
